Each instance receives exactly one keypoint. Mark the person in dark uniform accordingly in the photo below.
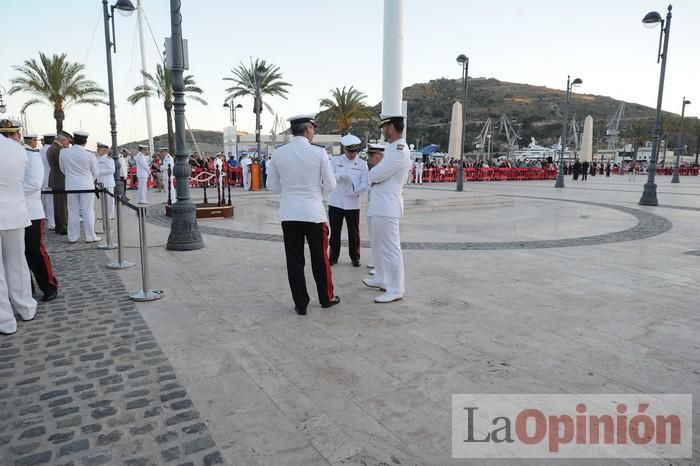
(607, 169)
(576, 169)
(594, 168)
(300, 172)
(351, 175)
(584, 171)
(57, 182)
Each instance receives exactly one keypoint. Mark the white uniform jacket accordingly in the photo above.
(33, 179)
(105, 168)
(143, 165)
(300, 172)
(387, 180)
(45, 162)
(167, 162)
(123, 166)
(352, 179)
(79, 166)
(12, 202)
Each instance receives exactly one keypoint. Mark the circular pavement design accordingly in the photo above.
(648, 225)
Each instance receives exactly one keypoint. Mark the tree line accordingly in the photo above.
(58, 82)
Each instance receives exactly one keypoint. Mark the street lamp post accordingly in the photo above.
(464, 61)
(651, 20)
(569, 85)
(184, 231)
(232, 110)
(124, 7)
(679, 146)
(259, 74)
(232, 115)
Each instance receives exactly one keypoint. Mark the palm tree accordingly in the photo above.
(346, 106)
(245, 81)
(638, 133)
(57, 82)
(161, 86)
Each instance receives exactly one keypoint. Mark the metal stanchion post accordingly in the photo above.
(108, 244)
(120, 262)
(146, 293)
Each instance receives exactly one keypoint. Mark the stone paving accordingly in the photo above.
(368, 384)
(86, 383)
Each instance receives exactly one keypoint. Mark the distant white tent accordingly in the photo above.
(587, 140)
(455, 131)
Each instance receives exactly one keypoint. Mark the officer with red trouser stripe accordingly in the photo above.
(300, 172)
(344, 202)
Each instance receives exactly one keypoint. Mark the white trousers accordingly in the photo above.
(110, 203)
(81, 205)
(47, 202)
(143, 189)
(369, 233)
(419, 176)
(246, 179)
(15, 284)
(387, 255)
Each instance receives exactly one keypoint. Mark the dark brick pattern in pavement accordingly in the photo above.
(85, 382)
(648, 225)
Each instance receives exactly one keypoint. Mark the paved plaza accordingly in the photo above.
(512, 287)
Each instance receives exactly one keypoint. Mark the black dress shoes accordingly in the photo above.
(356, 263)
(335, 300)
(333, 261)
(301, 312)
(48, 297)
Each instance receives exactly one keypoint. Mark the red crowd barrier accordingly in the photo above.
(488, 174)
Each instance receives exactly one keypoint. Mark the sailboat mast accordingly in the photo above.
(145, 81)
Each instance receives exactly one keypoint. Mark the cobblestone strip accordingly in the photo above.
(85, 382)
(648, 225)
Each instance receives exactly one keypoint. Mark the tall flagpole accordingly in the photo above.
(145, 81)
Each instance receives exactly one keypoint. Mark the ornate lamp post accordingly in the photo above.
(679, 148)
(464, 61)
(651, 20)
(569, 86)
(184, 231)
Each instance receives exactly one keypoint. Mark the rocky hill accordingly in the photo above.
(535, 110)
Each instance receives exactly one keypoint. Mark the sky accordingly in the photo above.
(323, 44)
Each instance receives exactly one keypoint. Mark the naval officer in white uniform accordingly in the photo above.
(143, 172)
(80, 168)
(47, 199)
(167, 161)
(15, 283)
(344, 202)
(300, 172)
(375, 153)
(386, 181)
(105, 168)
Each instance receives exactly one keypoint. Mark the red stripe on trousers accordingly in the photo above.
(326, 262)
(45, 256)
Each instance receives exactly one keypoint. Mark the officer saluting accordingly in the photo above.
(300, 172)
(386, 181)
(344, 203)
